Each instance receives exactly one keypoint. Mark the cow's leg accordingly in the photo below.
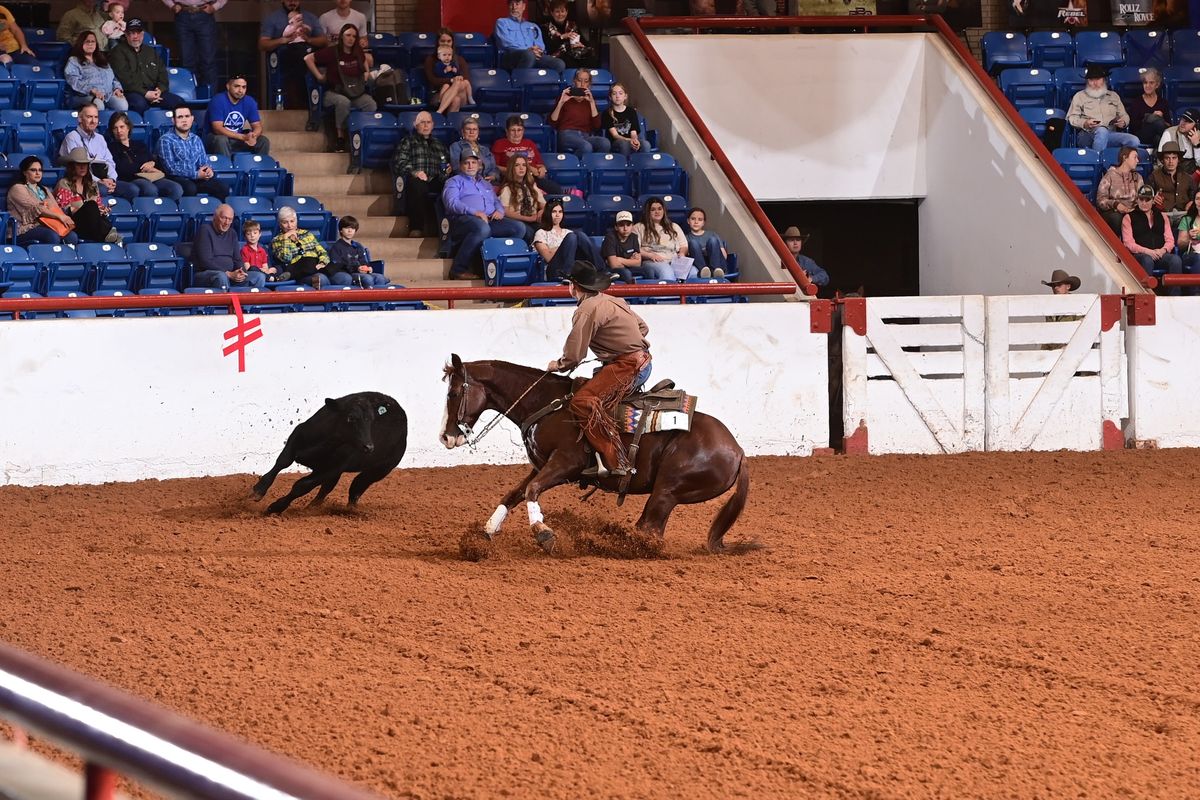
(326, 488)
(364, 479)
(562, 467)
(514, 496)
(286, 459)
(301, 488)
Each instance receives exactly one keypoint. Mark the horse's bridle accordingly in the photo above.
(462, 409)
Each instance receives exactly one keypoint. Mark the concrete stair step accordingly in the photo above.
(316, 163)
(420, 271)
(284, 121)
(340, 184)
(363, 206)
(374, 228)
(400, 248)
(284, 143)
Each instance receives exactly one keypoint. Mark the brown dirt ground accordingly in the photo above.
(1015, 625)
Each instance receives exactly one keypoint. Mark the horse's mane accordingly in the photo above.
(529, 373)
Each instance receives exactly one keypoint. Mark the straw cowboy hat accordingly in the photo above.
(78, 155)
(1061, 276)
(794, 233)
(585, 276)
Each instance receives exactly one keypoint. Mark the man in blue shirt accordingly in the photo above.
(475, 214)
(183, 155)
(520, 42)
(794, 241)
(235, 122)
(286, 36)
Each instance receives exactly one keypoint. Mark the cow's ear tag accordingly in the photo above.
(382, 410)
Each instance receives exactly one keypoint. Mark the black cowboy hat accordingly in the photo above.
(585, 276)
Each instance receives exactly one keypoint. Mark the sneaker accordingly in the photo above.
(340, 147)
(706, 273)
(283, 276)
(718, 273)
(416, 233)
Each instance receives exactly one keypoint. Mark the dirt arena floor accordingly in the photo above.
(1009, 626)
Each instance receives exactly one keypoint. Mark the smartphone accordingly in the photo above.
(575, 91)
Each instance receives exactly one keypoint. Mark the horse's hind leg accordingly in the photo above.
(657, 511)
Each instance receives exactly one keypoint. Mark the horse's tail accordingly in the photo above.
(729, 514)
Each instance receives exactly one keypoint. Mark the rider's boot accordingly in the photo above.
(601, 471)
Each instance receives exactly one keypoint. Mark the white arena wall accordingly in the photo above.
(1165, 382)
(89, 401)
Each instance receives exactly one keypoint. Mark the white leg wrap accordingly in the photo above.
(535, 513)
(496, 520)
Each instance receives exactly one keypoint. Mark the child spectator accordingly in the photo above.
(350, 260)
(448, 75)
(662, 240)
(563, 40)
(559, 246)
(620, 121)
(520, 195)
(254, 256)
(621, 251)
(114, 29)
(708, 252)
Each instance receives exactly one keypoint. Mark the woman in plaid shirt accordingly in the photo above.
(299, 252)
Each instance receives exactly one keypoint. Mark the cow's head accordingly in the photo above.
(465, 401)
(356, 417)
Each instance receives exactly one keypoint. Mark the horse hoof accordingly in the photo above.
(545, 540)
(255, 494)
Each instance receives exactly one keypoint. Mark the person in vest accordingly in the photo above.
(1146, 231)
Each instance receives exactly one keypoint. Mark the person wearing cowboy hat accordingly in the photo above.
(1098, 115)
(78, 194)
(1175, 187)
(1187, 135)
(794, 240)
(1061, 283)
(1146, 232)
(617, 337)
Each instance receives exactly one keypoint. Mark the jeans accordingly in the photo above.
(40, 234)
(708, 255)
(197, 34)
(220, 145)
(163, 187)
(123, 189)
(76, 100)
(470, 230)
(525, 59)
(1170, 264)
(168, 102)
(1102, 138)
(581, 143)
(655, 270)
(195, 186)
(576, 246)
(368, 280)
(217, 279)
(623, 146)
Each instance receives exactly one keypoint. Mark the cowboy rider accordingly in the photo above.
(617, 336)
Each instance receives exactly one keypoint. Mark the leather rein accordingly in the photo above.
(525, 426)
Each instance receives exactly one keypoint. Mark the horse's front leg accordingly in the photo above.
(562, 467)
(516, 495)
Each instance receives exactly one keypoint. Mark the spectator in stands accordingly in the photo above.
(422, 164)
(350, 259)
(622, 253)
(577, 118)
(141, 72)
(90, 80)
(39, 218)
(662, 240)
(134, 163)
(559, 246)
(1187, 136)
(1147, 234)
(1149, 114)
(515, 143)
(448, 75)
(13, 47)
(1061, 283)
(85, 16)
(288, 33)
(620, 122)
(563, 40)
(254, 256)
(794, 239)
(1098, 114)
(87, 136)
(234, 122)
(343, 68)
(475, 214)
(1116, 195)
(1174, 186)
(709, 255)
(519, 194)
(114, 29)
(332, 21)
(196, 30)
(1188, 240)
(215, 256)
(186, 162)
(470, 142)
(299, 251)
(78, 195)
(519, 42)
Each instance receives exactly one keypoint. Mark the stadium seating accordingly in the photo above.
(165, 223)
(1185, 48)
(565, 169)
(1147, 48)
(540, 88)
(609, 173)
(658, 173)
(1099, 47)
(1037, 118)
(1127, 82)
(42, 90)
(1005, 49)
(418, 46)
(476, 48)
(1182, 86)
(494, 91)
(1068, 81)
(509, 262)
(265, 177)
(1028, 87)
(604, 209)
(1052, 49)
(1082, 167)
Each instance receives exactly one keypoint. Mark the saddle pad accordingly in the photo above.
(629, 417)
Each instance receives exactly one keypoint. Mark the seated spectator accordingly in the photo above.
(475, 214)
(758, 8)
(299, 251)
(563, 40)
(186, 162)
(448, 75)
(620, 122)
(87, 136)
(1187, 136)
(343, 68)
(39, 218)
(349, 259)
(515, 143)
(287, 33)
(470, 141)
(333, 20)
(709, 255)
(622, 253)
(1147, 233)
(1188, 240)
(520, 43)
(13, 47)
(559, 246)
(90, 80)
(114, 29)
(234, 122)
(254, 256)
(662, 240)
(576, 118)
(134, 163)
(1117, 193)
(79, 196)
(1175, 187)
(422, 163)
(84, 16)
(1098, 114)
(523, 201)
(215, 256)
(795, 241)
(1149, 114)
(142, 74)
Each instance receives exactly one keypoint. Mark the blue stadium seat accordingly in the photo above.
(1185, 48)
(43, 91)
(702, 300)
(1099, 47)
(10, 95)
(602, 81)
(266, 177)
(40, 35)
(27, 277)
(476, 48)
(159, 266)
(604, 210)
(608, 173)
(1038, 117)
(224, 171)
(53, 55)
(1147, 48)
(1028, 87)
(1127, 82)
(1004, 50)
(537, 131)
(540, 88)
(165, 223)
(386, 49)
(577, 213)
(418, 46)
(1067, 81)
(658, 173)
(310, 215)
(1051, 49)
(127, 222)
(509, 262)
(494, 91)
(565, 169)
(379, 142)
(1183, 87)
(198, 210)
(254, 207)
(1082, 167)
(114, 270)
(30, 133)
(139, 130)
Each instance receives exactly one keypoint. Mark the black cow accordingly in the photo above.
(365, 432)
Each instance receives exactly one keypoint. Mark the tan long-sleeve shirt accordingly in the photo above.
(608, 326)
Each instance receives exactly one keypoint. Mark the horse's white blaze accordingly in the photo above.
(496, 520)
(535, 513)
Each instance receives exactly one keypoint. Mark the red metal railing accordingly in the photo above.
(637, 27)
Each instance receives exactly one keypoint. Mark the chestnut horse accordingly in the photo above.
(673, 467)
